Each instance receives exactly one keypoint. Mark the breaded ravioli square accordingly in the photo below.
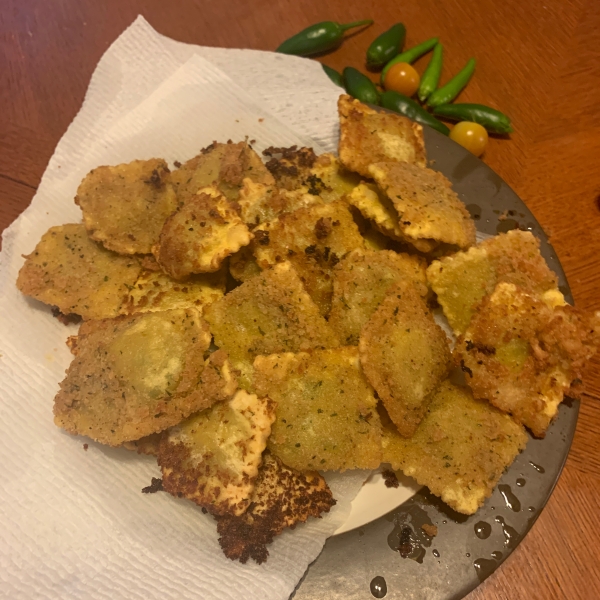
(523, 355)
(463, 279)
(156, 291)
(213, 457)
(368, 136)
(282, 498)
(360, 283)
(270, 313)
(137, 375)
(405, 355)
(460, 449)
(314, 239)
(69, 270)
(427, 205)
(125, 206)
(224, 165)
(326, 410)
(200, 235)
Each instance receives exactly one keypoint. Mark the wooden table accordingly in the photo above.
(538, 61)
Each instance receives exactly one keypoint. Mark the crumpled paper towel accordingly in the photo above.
(74, 522)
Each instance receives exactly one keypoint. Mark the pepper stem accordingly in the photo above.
(347, 26)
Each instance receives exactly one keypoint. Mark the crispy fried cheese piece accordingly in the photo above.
(379, 209)
(125, 206)
(269, 313)
(360, 283)
(213, 457)
(200, 235)
(314, 239)
(460, 449)
(368, 136)
(326, 410)
(156, 291)
(282, 498)
(405, 355)
(224, 165)
(137, 375)
(427, 206)
(523, 355)
(462, 280)
(69, 270)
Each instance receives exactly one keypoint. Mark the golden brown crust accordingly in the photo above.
(282, 498)
(290, 166)
(405, 355)
(69, 270)
(125, 206)
(368, 137)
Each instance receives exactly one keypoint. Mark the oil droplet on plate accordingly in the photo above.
(511, 535)
(483, 530)
(537, 467)
(510, 499)
(475, 211)
(484, 567)
(468, 555)
(521, 482)
(378, 587)
(497, 555)
(506, 225)
(435, 553)
(531, 509)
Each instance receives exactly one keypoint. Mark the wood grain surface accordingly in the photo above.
(538, 61)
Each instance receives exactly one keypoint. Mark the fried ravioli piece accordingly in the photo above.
(368, 136)
(330, 180)
(155, 291)
(379, 209)
(427, 206)
(326, 410)
(69, 270)
(462, 280)
(125, 206)
(213, 457)
(405, 355)
(460, 449)
(314, 239)
(224, 165)
(269, 313)
(282, 498)
(137, 375)
(200, 235)
(523, 355)
(360, 283)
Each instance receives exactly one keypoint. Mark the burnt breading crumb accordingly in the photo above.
(65, 319)
(262, 237)
(430, 530)
(390, 479)
(323, 228)
(315, 185)
(156, 179)
(277, 168)
(155, 486)
(85, 447)
(466, 369)
(177, 164)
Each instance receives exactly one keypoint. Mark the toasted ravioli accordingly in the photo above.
(223, 165)
(368, 136)
(125, 206)
(69, 270)
(137, 375)
(523, 355)
(360, 283)
(463, 279)
(155, 291)
(198, 237)
(326, 410)
(282, 498)
(405, 355)
(427, 206)
(213, 457)
(269, 313)
(460, 449)
(314, 240)
(330, 180)
(379, 209)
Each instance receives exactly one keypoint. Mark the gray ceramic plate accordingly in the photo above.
(367, 562)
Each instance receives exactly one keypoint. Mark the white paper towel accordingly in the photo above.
(75, 524)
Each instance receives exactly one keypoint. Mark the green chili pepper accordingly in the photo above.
(318, 38)
(411, 109)
(493, 120)
(431, 75)
(334, 75)
(360, 86)
(386, 46)
(410, 55)
(448, 92)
